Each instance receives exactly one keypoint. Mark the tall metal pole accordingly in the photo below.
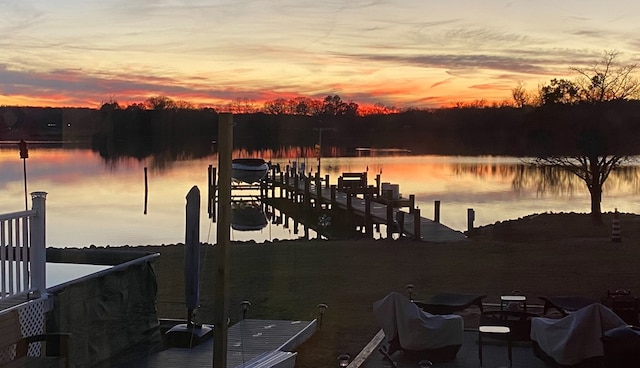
(221, 313)
(24, 169)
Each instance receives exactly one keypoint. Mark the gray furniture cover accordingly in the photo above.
(576, 337)
(415, 329)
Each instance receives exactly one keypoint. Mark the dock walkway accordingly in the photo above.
(367, 204)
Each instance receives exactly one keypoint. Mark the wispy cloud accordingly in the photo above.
(214, 50)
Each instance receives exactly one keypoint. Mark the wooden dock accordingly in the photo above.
(369, 204)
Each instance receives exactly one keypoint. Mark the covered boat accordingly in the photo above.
(248, 170)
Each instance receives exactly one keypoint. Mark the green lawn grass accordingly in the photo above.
(539, 255)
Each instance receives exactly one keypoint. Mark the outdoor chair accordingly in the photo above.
(519, 322)
(624, 305)
(14, 347)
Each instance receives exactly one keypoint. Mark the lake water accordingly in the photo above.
(92, 201)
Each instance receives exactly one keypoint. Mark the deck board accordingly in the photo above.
(246, 340)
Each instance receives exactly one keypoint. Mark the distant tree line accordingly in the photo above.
(548, 130)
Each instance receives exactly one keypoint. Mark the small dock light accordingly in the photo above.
(344, 360)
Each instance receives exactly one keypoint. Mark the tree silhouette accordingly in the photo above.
(596, 152)
(159, 103)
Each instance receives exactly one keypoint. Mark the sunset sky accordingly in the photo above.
(398, 53)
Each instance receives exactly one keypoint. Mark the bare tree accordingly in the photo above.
(521, 97)
(596, 155)
(606, 80)
(593, 170)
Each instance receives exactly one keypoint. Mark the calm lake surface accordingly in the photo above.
(92, 201)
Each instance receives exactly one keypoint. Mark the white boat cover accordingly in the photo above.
(576, 337)
(415, 329)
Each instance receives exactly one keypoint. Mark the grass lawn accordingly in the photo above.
(548, 254)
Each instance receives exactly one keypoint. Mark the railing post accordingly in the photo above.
(38, 246)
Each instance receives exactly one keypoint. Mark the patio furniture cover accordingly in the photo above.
(576, 337)
(415, 329)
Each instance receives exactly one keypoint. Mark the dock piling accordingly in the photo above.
(471, 216)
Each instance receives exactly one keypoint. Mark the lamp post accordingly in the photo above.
(410, 288)
(24, 155)
(321, 308)
(245, 307)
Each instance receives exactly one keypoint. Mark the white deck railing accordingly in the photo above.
(23, 249)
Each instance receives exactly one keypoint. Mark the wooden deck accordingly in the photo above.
(494, 355)
(246, 340)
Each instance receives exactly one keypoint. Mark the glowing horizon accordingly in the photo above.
(413, 54)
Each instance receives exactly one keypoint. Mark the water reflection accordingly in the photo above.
(248, 215)
(92, 201)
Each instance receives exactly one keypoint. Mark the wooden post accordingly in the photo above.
(326, 181)
(368, 227)
(221, 312)
(214, 189)
(192, 253)
(146, 190)
(209, 191)
(295, 187)
(333, 196)
(377, 185)
(436, 211)
(38, 235)
(281, 184)
(307, 193)
(273, 182)
(390, 219)
(471, 216)
(318, 191)
(412, 202)
(400, 219)
(349, 207)
(416, 225)
(285, 184)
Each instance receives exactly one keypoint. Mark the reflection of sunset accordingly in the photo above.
(102, 203)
